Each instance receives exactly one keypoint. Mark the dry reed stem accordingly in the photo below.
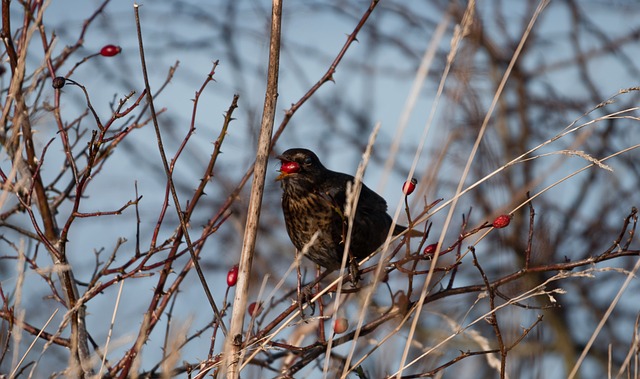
(234, 354)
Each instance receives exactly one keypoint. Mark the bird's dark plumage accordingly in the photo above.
(313, 200)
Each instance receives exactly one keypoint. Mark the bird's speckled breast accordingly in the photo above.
(301, 227)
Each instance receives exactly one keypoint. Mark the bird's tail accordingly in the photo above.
(411, 233)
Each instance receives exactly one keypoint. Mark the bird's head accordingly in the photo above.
(300, 165)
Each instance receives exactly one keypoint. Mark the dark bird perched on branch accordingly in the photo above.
(313, 201)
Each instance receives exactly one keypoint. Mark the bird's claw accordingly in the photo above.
(304, 296)
(354, 272)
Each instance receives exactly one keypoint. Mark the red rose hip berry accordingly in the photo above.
(232, 276)
(110, 50)
(430, 249)
(340, 325)
(409, 187)
(501, 221)
(254, 309)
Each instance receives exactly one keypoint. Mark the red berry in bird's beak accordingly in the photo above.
(288, 168)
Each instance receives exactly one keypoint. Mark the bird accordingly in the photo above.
(313, 201)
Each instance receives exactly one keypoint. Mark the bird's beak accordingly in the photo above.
(281, 176)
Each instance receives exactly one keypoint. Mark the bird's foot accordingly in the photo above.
(354, 272)
(305, 294)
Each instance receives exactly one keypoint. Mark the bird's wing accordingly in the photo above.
(335, 188)
(371, 200)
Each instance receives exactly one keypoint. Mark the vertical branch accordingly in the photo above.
(234, 339)
(6, 34)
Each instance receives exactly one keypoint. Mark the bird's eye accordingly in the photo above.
(308, 161)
